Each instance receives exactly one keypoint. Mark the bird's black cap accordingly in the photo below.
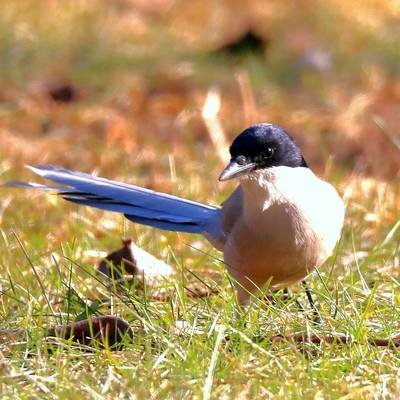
(262, 146)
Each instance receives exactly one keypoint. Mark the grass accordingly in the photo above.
(47, 279)
(138, 119)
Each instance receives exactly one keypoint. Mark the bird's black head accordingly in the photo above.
(262, 146)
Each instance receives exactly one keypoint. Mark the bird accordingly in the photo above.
(278, 225)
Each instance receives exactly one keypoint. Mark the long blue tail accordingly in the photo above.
(139, 205)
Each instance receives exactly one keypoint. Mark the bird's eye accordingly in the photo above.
(269, 152)
(241, 160)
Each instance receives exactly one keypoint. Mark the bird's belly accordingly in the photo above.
(275, 246)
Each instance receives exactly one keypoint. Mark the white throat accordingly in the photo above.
(275, 184)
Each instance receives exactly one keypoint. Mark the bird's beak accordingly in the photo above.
(234, 170)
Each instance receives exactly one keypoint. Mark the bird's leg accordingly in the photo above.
(316, 314)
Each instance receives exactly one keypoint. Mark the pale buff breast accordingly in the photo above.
(289, 222)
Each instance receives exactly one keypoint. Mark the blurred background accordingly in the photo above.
(139, 88)
(152, 92)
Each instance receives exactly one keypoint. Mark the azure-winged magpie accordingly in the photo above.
(280, 223)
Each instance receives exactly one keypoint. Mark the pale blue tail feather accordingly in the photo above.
(139, 205)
